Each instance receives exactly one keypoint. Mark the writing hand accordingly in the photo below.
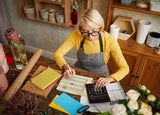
(69, 72)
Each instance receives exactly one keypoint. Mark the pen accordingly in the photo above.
(69, 69)
(97, 109)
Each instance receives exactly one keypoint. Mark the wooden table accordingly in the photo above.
(13, 73)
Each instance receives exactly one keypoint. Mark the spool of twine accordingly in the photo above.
(11, 34)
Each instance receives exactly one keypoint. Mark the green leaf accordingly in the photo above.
(123, 101)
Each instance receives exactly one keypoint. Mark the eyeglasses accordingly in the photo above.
(94, 33)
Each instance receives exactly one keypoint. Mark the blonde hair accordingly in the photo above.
(92, 18)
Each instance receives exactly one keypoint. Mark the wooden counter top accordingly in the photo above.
(133, 46)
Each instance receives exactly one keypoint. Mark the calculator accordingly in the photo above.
(97, 95)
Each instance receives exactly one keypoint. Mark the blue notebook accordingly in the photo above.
(68, 103)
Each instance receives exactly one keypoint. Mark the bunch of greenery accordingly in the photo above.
(76, 4)
(145, 98)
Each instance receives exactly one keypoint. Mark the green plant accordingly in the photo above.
(76, 4)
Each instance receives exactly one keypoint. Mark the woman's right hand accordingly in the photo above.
(68, 71)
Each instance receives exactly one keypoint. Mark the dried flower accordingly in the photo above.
(23, 104)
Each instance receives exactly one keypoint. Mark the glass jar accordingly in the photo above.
(19, 53)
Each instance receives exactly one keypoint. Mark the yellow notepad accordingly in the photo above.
(55, 106)
(45, 78)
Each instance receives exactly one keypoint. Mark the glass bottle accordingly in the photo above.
(74, 16)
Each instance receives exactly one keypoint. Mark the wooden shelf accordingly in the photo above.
(52, 2)
(65, 6)
(133, 7)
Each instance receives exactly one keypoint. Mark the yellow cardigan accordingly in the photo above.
(110, 47)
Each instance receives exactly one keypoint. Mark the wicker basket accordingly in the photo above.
(127, 28)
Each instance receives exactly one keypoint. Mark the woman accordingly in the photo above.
(94, 47)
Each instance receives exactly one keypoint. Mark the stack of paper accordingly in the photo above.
(66, 103)
(55, 106)
(45, 78)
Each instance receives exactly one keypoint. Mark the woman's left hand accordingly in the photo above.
(101, 82)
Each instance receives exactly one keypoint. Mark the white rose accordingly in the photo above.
(151, 98)
(143, 87)
(118, 109)
(148, 91)
(139, 86)
(145, 109)
(132, 105)
(157, 113)
(133, 94)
